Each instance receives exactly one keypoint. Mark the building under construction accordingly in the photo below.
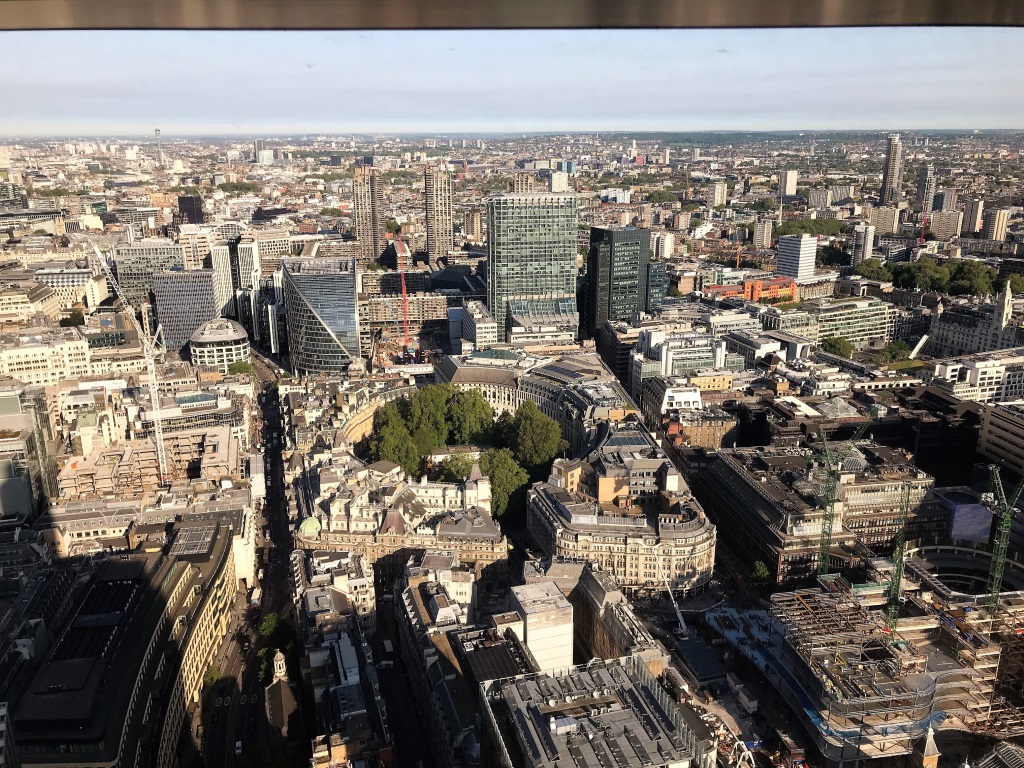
(867, 689)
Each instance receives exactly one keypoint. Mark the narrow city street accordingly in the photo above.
(407, 722)
(234, 709)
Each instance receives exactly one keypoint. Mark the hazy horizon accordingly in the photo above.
(226, 84)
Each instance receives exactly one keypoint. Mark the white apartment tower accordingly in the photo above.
(763, 235)
(796, 256)
(787, 182)
(863, 243)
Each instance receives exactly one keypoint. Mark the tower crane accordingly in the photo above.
(1003, 508)
(150, 351)
(833, 465)
(892, 608)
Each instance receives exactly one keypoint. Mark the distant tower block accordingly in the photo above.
(159, 149)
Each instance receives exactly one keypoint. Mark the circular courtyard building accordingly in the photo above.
(218, 344)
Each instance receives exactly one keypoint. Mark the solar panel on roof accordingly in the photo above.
(641, 712)
(637, 745)
(524, 728)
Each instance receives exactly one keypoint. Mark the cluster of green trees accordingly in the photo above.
(662, 196)
(810, 227)
(331, 212)
(279, 636)
(895, 352)
(960, 277)
(764, 205)
(832, 256)
(407, 430)
(837, 345)
(240, 366)
(75, 317)
(239, 186)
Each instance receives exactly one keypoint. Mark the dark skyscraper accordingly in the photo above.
(655, 286)
(617, 275)
(191, 209)
(892, 172)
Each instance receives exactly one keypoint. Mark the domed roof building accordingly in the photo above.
(218, 344)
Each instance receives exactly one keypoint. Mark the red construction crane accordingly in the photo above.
(399, 249)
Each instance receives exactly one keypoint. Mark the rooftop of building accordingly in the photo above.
(609, 715)
(219, 330)
(540, 597)
(79, 695)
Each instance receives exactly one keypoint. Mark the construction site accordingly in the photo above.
(401, 331)
(928, 639)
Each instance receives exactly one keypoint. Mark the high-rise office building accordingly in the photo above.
(220, 260)
(198, 242)
(994, 227)
(258, 145)
(191, 209)
(616, 276)
(135, 264)
(763, 235)
(796, 256)
(973, 210)
(322, 315)
(186, 300)
(438, 194)
(531, 249)
(863, 243)
(926, 187)
(260, 253)
(892, 172)
(787, 182)
(368, 213)
(717, 193)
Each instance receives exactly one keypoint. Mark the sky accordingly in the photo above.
(121, 83)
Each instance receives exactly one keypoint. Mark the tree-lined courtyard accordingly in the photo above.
(521, 446)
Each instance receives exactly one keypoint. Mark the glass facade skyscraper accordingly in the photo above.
(531, 249)
(617, 275)
(320, 299)
(186, 300)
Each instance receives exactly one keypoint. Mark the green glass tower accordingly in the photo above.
(531, 250)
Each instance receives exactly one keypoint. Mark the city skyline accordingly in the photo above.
(253, 83)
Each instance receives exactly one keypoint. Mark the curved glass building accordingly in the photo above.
(320, 300)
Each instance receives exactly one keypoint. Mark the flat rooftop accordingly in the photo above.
(612, 715)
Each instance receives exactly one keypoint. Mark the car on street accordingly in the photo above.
(238, 748)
